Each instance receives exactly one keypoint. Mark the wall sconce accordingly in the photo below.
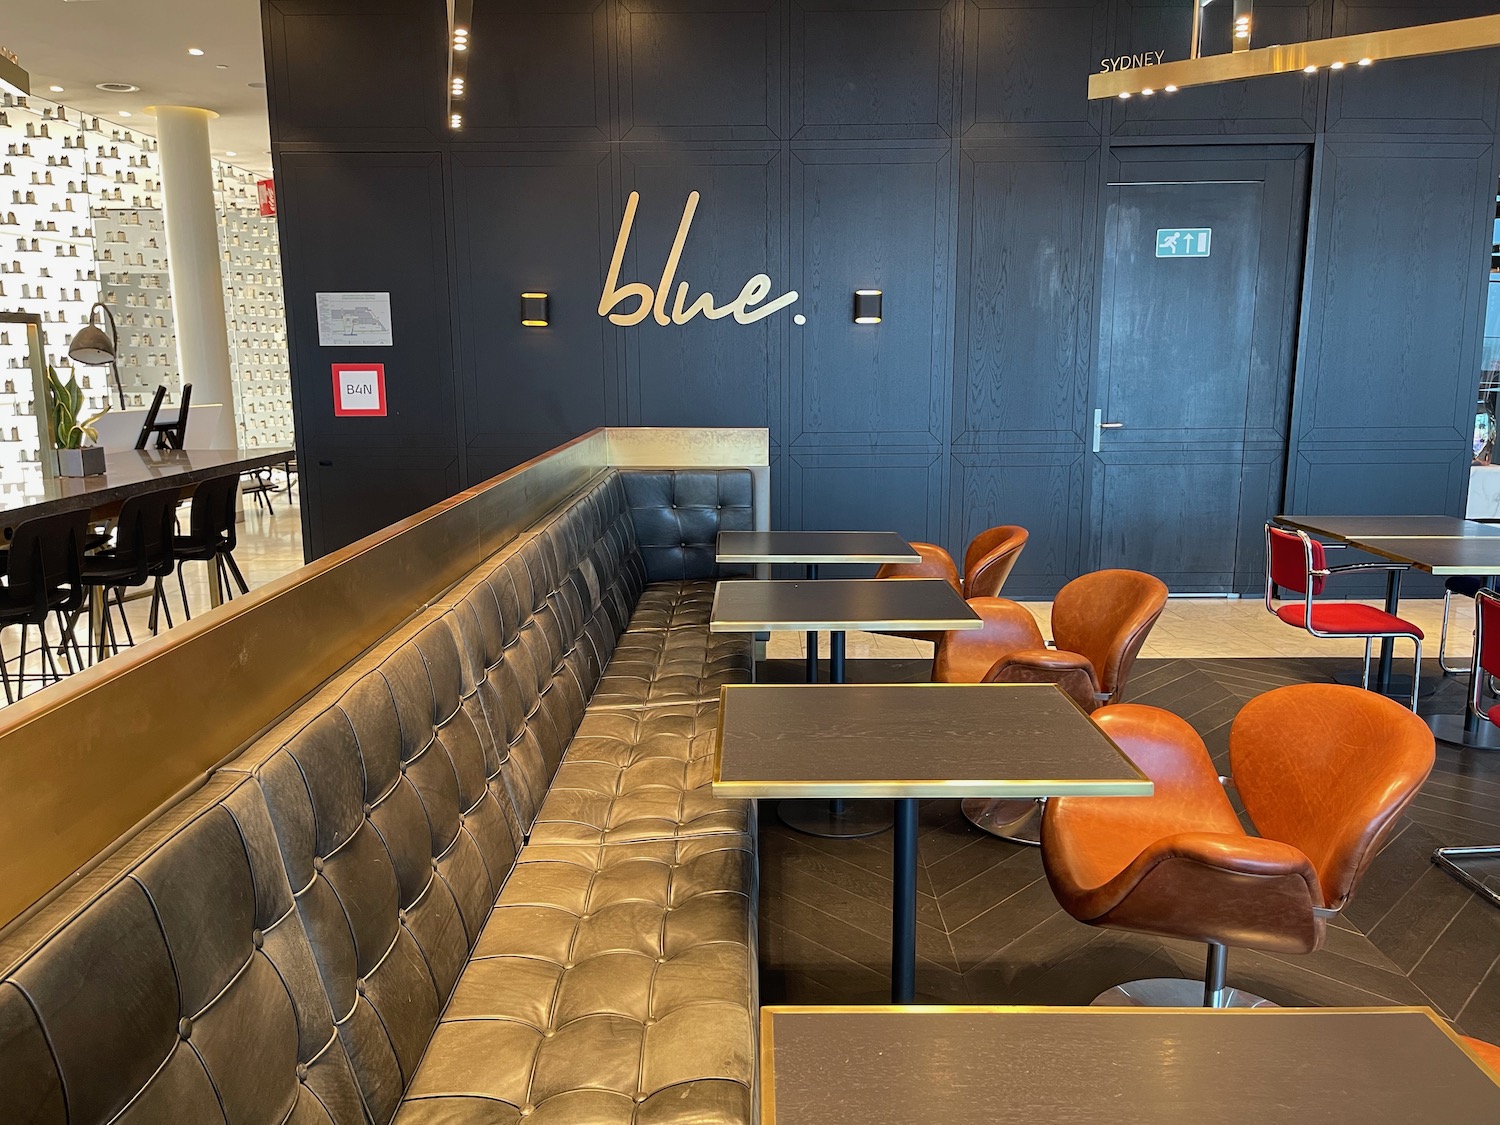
(534, 310)
(867, 306)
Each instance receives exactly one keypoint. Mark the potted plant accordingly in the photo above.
(74, 457)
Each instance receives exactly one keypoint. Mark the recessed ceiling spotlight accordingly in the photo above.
(1124, 95)
(1365, 62)
(1336, 66)
(1148, 91)
(117, 88)
(195, 50)
(221, 66)
(230, 152)
(125, 113)
(1310, 69)
(1170, 89)
(55, 89)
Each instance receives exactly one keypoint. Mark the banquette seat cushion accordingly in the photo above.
(388, 896)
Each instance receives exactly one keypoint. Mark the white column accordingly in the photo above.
(187, 182)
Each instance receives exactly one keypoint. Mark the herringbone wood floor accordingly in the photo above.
(989, 930)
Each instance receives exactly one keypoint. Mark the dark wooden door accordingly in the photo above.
(1190, 403)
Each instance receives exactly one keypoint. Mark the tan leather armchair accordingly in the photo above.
(1099, 623)
(988, 561)
(1324, 772)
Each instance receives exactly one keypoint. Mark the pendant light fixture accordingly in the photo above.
(1338, 54)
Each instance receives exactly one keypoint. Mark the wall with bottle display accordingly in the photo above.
(80, 222)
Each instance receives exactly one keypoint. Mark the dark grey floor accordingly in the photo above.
(989, 931)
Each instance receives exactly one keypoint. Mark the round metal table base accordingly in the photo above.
(1450, 729)
(837, 820)
(1173, 992)
(1018, 821)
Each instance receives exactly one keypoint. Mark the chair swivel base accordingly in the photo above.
(837, 820)
(1017, 821)
(1173, 992)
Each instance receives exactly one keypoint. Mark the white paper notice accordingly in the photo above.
(354, 320)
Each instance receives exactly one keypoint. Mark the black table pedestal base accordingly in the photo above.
(836, 820)
(1476, 734)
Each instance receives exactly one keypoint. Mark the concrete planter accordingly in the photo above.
(85, 462)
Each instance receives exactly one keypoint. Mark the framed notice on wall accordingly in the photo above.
(359, 390)
(354, 320)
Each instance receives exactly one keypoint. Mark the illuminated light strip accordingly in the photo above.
(460, 28)
(1474, 34)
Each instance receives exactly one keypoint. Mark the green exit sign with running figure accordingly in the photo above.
(1184, 242)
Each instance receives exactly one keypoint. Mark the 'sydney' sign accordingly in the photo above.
(1130, 62)
(661, 303)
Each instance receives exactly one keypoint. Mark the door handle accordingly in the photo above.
(1100, 425)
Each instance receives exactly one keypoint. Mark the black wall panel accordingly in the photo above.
(709, 70)
(1025, 317)
(1026, 65)
(943, 151)
(540, 72)
(529, 389)
(357, 222)
(1400, 228)
(356, 71)
(870, 219)
(1442, 94)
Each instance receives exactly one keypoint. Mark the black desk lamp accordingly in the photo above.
(94, 347)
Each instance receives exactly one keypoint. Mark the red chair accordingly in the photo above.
(1297, 563)
(1486, 666)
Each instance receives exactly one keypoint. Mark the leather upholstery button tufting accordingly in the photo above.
(301, 1072)
(257, 939)
(184, 1027)
(318, 864)
(359, 986)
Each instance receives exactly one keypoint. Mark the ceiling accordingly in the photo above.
(77, 44)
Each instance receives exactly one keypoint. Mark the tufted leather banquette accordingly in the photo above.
(478, 877)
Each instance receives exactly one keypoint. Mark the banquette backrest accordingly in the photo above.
(278, 947)
(175, 983)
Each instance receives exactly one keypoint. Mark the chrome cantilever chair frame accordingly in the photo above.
(1314, 572)
(1447, 859)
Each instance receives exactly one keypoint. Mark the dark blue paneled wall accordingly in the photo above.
(935, 149)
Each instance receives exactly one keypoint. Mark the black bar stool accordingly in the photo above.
(211, 537)
(43, 575)
(141, 554)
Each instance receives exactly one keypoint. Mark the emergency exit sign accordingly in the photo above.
(359, 390)
(1184, 242)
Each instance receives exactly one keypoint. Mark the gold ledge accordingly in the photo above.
(1397, 43)
(811, 557)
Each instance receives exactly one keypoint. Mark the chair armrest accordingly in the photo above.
(1050, 659)
(1350, 567)
(1244, 855)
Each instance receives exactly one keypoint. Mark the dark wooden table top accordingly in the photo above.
(881, 741)
(1390, 527)
(1118, 1066)
(814, 547)
(134, 473)
(1441, 556)
(897, 605)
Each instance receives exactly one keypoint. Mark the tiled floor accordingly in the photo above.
(991, 932)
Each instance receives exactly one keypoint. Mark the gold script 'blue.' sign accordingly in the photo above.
(1184, 242)
(660, 302)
